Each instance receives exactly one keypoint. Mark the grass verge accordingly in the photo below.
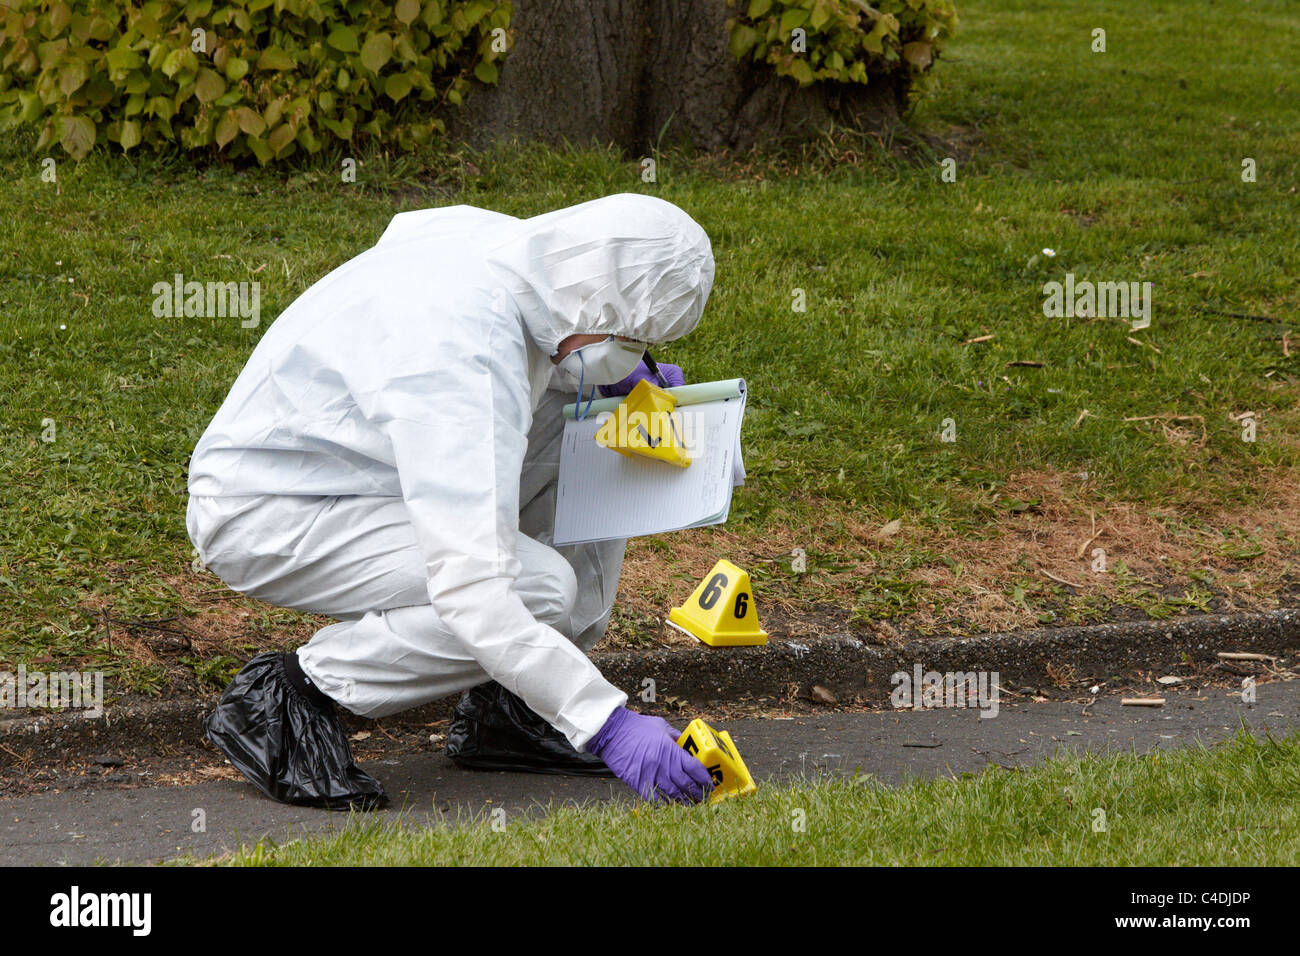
(1233, 804)
(923, 306)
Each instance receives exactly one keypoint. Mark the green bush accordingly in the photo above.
(242, 77)
(844, 41)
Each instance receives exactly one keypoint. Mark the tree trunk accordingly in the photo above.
(630, 71)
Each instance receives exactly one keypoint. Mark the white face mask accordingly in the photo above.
(600, 363)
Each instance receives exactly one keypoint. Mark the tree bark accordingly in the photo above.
(629, 72)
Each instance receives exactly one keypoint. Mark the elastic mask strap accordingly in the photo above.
(582, 368)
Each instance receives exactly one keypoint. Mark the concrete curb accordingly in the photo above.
(852, 668)
(841, 662)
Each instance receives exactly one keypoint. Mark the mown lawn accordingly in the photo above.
(1126, 164)
(1233, 805)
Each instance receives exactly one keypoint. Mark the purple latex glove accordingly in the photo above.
(643, 753)
(672, 375)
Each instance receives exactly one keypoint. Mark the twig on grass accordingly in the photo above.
(1240, 315)
(1077, 587)
(1083, 548)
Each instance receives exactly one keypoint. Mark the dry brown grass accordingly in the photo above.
(1039, 549)
(958, 583)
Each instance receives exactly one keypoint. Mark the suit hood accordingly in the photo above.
(626, 264)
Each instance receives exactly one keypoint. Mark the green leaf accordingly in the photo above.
(377, 51)
(821, 13)
(343, 39)
(340, 128)
(396, 87)
(31, 108)
(171, 65)
(77, 134)
(486, 71)
(51, 52)
(406, 10)
(250, 121)
(209, 85)
(79, 27)
(476, 11)
(73, 75)
(281, 137)
(917, 53)
(236, 69)
(742, 40)
(60, 15)
(273, 58)
(130, 134)
(102, 28)
(801, 71)
(123, 58)
(432, 15)
(162, 107)
(874, 42)
(792, 18)
(148, 27)
(260, 149)
(274, 110)
(758, 7)
(308, 139)
(227, 129)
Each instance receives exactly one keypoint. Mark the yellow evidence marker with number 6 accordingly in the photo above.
(720, 612)
(719, 755)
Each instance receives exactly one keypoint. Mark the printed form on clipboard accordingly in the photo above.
(603, 495)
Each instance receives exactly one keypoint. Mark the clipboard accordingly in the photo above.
(603, 495)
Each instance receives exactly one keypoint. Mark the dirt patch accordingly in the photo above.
(1053, 550)
(1047, 548)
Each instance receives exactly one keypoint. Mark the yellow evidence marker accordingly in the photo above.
(645, 426)
(720, 757)
(721, 610)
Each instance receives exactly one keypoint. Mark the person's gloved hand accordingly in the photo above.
(643, 753)
(672, 374)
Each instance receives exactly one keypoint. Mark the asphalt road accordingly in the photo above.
(145, 824)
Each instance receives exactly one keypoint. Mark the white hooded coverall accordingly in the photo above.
(388, 455)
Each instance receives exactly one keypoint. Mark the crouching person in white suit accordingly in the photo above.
(388, 457)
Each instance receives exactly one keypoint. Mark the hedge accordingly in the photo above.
(264, 78)
(842, 41)
(242, 77)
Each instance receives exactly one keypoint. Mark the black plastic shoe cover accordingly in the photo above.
(492, 729)
(289, 748)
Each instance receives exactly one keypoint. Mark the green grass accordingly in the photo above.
(1230, 805)
(1127, 164)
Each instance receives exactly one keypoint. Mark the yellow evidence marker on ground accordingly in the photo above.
(721, 610)
(645, 426)
(719, 755)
